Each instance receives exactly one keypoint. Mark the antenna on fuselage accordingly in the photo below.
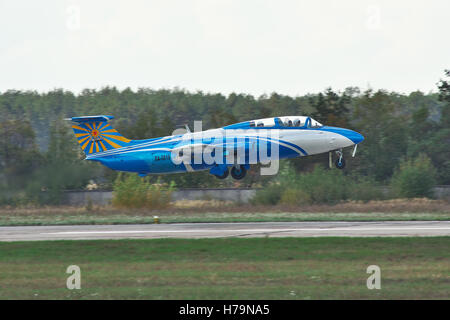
(187, 128)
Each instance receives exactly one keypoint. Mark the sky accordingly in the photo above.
(245, 46)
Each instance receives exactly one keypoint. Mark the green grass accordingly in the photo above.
(94, 218)
(254, 268)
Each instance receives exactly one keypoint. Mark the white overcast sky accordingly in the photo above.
(250, 46)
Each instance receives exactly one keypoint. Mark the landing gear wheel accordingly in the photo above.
(239, 172)
(340, 163)
(223, 176)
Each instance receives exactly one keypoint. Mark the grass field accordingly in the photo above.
(256, 268)
(124, 218)
(218, 211)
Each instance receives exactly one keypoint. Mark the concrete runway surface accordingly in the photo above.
(219, 230)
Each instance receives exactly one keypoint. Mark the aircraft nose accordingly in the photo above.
(354, 136)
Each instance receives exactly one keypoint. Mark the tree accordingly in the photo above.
(414, 178)
(331, 108)
(19, 156)
(62, 168)
(394, 126)
(377, 117)
(444, 96)
(440, 141)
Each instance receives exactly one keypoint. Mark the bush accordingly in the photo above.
(291, 188)
(365, 189)
(414, 178)
(295, 197)
(321, 186)
(270, 195)
(324, 186)
(132, 191)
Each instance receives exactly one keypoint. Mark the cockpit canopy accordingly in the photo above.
(299, 121)
(289, 121)
(267, 122)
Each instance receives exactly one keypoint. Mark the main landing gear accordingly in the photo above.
(238, 172)
(223, 176)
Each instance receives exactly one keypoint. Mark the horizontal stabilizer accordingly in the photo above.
(94, 134)
(100, 118)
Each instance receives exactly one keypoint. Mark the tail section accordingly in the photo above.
(95, 134)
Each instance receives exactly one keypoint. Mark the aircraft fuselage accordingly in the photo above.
(240, 144)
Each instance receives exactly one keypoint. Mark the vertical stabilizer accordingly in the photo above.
(95, 134)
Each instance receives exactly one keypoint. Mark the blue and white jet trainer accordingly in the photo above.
(235, 146)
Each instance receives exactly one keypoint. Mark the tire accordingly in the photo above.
(223, 176)
(341, 164)
(238, 173)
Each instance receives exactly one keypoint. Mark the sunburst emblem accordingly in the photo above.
(98, 136)
(95, 134)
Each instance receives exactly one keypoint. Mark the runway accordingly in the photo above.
(219, 230)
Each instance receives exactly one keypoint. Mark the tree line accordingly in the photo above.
(40, 158)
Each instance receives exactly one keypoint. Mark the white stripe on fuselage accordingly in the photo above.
(317, 141)
(211, 144)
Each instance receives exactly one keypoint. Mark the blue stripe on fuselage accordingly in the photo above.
(354, 136)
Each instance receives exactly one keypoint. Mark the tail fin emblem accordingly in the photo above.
(95, 134)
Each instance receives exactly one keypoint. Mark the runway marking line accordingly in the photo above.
(243, 230)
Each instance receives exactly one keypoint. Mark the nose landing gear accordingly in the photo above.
(340, 161)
